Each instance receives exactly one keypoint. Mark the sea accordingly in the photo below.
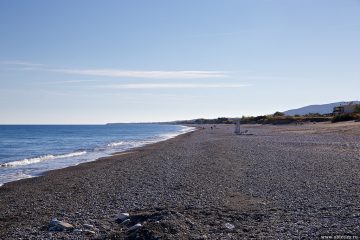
(30, 150)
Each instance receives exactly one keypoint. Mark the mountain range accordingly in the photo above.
(321, 108)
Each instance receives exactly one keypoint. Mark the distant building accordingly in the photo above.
(344, 109)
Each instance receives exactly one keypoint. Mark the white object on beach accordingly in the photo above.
(237, 128)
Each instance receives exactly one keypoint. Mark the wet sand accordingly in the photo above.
(280, 182)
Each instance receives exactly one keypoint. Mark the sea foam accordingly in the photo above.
(115, 144)
(28, 161)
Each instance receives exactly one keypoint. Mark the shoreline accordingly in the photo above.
(116, 152)
(280, 182)
(104, 158)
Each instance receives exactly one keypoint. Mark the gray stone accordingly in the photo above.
(135, 227)
(77, 231)
(125, 222)
(229, 226)
(56, 225)
(88, 226)
(122, 216)
(89, 232)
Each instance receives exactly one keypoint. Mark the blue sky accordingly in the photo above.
(90, 61)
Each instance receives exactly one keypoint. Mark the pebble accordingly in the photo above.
(274, 166)
(229, 226)
(135, 227)
(122, 216)
(88, 226)
(56, 225)
(89, 232)
(125, 222)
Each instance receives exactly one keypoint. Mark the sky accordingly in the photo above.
(94, 62)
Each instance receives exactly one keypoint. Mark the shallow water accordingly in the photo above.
(29, 150)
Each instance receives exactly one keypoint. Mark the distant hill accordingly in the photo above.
(322, 108)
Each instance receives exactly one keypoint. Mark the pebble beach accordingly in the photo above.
(274, 182)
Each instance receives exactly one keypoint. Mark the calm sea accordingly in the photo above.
(29, 150)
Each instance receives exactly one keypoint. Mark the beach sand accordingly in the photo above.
(280, 182)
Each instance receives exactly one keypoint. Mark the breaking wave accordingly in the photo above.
(28, 161)
(115, 144)
(13, 170)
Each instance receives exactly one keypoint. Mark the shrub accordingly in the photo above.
(357, 109)
(278, 114)
(344, 117)
(313, 115)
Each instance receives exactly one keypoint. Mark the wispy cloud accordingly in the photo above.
(20, 63)
(71, 81)
(143, 74)
(172, 86)
(119, 73)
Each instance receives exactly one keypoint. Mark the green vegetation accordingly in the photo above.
(345, 117)
(276, 118)
(313, 115)
(220, 120)
(357, 109)
(278, 114)
(279, 118)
